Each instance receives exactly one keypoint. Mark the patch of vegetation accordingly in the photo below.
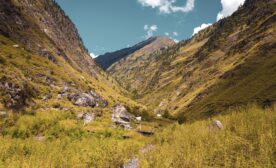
(247, 139)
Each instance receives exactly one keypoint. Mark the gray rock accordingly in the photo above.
(218, 124)
(46, 97)
(65, 89)
(59, 96)
(133, 163)
(121, 116)
(79, 116)
(85, 100)
(86, 117)
(90, 99)
(215, 125)
(16, 96)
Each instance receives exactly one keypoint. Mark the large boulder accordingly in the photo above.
(15, 96)
(90, 99)
(121, 116)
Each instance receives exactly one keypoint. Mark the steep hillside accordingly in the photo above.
(228, 64)
(43, 28)
(45, 67)
(132, 71)
(148, 46)
(53, 95)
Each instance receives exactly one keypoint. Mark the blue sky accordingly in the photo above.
(109, 25)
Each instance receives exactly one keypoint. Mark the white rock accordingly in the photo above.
(218, 124)
(3, 114)
(138, 118)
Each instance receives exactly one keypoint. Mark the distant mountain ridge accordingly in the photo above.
(106, 60)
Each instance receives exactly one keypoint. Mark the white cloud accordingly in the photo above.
(150, 30)
(176, 41)
(167, 34)
(229, 7)
(175, 33)
(167, 6)
(199, 28)
(93, 55)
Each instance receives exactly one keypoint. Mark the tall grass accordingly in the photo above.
(246, 140)
(66, 152)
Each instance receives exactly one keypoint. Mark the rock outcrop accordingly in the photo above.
(121, 116)
(86, 117)
(14, 96)
(90, 99)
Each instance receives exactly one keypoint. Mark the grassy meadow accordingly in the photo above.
(247, 139)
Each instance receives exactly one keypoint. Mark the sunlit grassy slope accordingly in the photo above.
(246, 140)
(229, 64)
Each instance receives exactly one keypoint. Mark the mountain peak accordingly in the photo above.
(148, 46)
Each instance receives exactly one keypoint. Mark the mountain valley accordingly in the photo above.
(208, 101)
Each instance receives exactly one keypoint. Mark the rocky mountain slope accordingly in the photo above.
(229, 64)
(148, 46)
(45, 66)
(129, 71)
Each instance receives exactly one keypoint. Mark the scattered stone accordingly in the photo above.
(216, 125)
(121, 116)
(59, 96)
(139, 118)
(133, 163)
(86, 117)
(40, 138)
(15, 46)
(47, 97)
(3, 114)
(16, 96)
(53, 86)
(65, 89)
(159, 112)
(45, 53)
(90, 99)
(79, 116)
(49, 80)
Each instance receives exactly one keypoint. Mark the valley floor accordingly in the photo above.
(247, 139)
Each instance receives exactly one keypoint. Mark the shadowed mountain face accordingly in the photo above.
(106, 60)
(229, 64)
